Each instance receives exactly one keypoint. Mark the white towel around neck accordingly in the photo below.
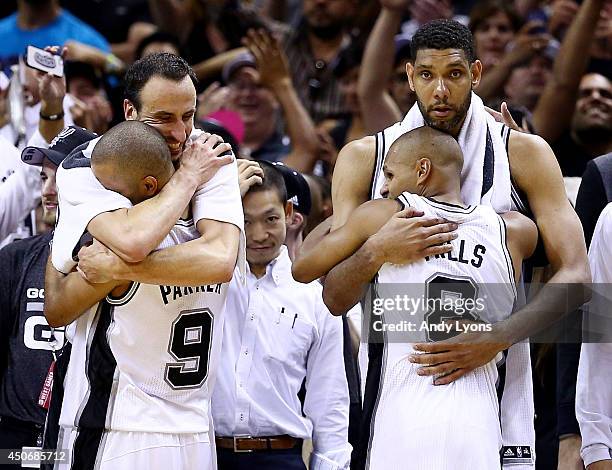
(473, 142)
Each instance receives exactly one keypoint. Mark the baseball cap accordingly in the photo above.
(215, 127)
(63, 143)
(245, 59)
(298, 191)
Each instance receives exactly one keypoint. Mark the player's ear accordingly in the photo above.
(149, 186)
(129, 110)
(423, 169)
(476, 70)
(288, 212)
(297, 220)
(410, 73)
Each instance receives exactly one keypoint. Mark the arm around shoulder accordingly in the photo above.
(207, 260)
(339, 244)
(129, 232)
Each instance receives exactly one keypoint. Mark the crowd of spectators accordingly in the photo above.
(295, 81)
(298, 81)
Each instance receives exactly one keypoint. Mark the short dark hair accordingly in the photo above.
(402, 52)
(157, 36)
(133, 148)
(443, 34)
(163, 64)
(484, 9)
(272, 180)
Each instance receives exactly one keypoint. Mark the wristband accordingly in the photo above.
(112, 64)
(52, 117)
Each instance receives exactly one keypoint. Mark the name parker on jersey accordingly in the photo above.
(169, 293)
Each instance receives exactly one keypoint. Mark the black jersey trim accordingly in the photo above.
(184, 222)
(374, 167)
(506, 138)
(379, 151)
(449, 207)
(488, 168)
(403, 200)
(86, 449)
(503, 231)
(518, 200)
(377, 353)
(501, 379)
(126, 297)
(378, 381)
(100, 370)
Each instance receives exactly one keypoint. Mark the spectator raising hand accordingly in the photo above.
(529, 40)
(79, 52)
(602, 45)
(52, 91)
(273, 74)
(396, 5)
(424, 11)
(271, 60)
(214, 98)
(562, 14)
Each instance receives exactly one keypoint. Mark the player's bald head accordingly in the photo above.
(426, 142)
(132, 147)
(127, 154)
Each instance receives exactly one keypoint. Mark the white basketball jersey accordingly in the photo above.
(417, 425)
(147, 361)
(517, 406)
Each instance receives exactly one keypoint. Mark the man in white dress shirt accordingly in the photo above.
(278, 335)
(593, 391)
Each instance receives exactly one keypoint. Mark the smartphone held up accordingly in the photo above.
(44, 61)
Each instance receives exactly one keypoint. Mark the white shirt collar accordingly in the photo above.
(278, 270)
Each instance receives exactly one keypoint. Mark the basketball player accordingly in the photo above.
(416, 423)
(143, 359)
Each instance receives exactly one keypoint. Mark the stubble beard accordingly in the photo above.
(450, 125)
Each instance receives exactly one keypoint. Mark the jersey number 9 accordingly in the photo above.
(190, 342)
